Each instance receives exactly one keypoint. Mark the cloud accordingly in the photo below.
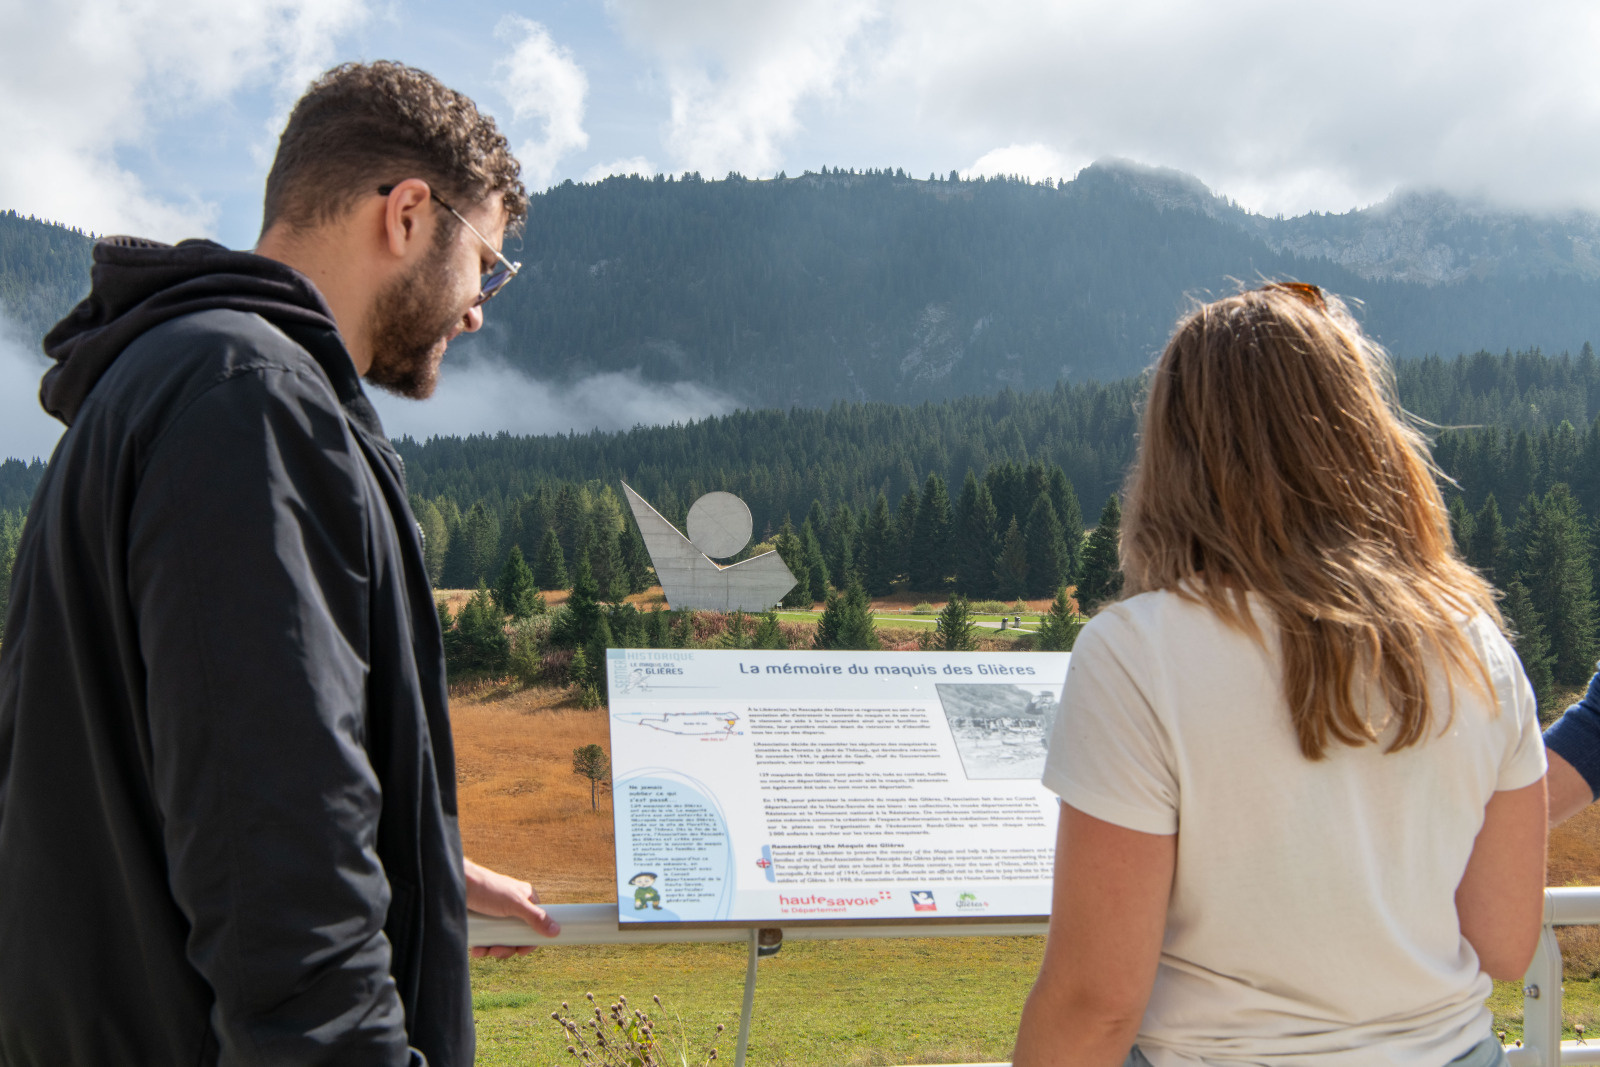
(544, 85)
(83, 80)
(633, 165)
(486, 396)
(1035, 161)
(1285, 109)
(737, 73)
(26, 431)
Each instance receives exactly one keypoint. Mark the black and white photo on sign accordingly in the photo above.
(1001, 731)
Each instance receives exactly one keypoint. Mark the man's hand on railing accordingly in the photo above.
(503, 897)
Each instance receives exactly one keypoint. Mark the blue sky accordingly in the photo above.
(159, 117)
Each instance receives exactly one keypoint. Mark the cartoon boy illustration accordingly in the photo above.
(646, 892)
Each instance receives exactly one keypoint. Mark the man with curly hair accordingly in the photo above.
(227, 789)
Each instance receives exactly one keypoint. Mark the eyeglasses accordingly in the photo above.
(496, 279)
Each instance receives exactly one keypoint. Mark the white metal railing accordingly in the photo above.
(596, 924)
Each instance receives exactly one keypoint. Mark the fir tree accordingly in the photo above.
(478, 642)
(1102, 569)
(1065, 499)
(516, 593)
(552, 570)
(584, 619)
(955, 631)
(930, 556)
(1489, 551)
(1555, 568)
(1011, 565)
(605, 560)
(842, 544)
(1528, 637)
(879, 549)
(1461, 525)
(1047, 553)
(636, 559)
(792, 551)
(769, 635)
(435, 538)
(816, 567)
(1059, 628)
(736, 635)
(977, 540)
(846, 621)
(905, 522)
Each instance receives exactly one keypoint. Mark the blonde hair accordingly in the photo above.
(1275, 460)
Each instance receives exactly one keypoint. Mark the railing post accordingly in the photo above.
(750, 999)
(1541, 999)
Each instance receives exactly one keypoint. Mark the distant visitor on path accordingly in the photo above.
(1303, 807)
(227, 788)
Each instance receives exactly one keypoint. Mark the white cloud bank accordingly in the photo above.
(546, 88)
(26, 432)
(486, 396)
(1284, 108)
(81, 80)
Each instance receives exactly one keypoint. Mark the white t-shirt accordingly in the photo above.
(1312, 918)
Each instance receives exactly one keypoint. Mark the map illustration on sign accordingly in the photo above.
(715, 725)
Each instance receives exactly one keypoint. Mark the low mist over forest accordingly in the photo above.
(877, 286)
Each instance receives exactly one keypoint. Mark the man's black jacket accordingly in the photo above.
(227, 791)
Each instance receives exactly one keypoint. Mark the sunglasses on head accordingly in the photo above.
(497, 278)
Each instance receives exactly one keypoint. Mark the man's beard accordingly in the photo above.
(411, 320)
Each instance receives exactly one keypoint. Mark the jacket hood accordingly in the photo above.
(137, 284)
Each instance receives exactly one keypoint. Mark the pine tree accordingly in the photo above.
(879, 549)
(736, 635)
(1047, 552)
(1489, 550)
(1555, 568)
(930, 557)
(591, 762)
(1528, 637)
(846, 621)
(516, 593)
(1102, 569)
(977, 540)
(1058, 630)
(955, 631)
(1011, 565)
(552, 570)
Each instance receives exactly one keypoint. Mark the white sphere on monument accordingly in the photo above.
(719, 525)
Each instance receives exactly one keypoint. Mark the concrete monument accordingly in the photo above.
(719, 525)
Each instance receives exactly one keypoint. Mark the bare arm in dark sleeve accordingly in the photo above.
(248, 564)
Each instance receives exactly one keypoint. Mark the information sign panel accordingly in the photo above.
(793, 787)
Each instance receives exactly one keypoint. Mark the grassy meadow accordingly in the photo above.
(854, 1003)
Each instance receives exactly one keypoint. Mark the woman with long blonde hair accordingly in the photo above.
(1302, 784)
